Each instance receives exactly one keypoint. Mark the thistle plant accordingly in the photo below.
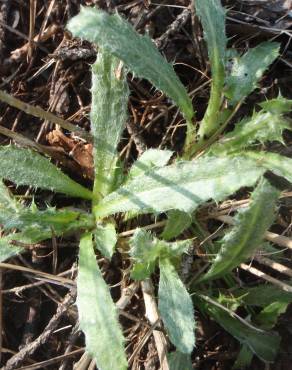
(225, 164)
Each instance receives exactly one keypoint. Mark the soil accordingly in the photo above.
(42, 65)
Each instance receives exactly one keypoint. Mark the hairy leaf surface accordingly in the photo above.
(248, 69)
(97, 313)
(177, 222)
(105, 237)
(138, 52)
(274, 162)
(176, 308)
(212, 16)
(26, 167)
(183, 186)
(248, 232)
(146, 250)
(108, 117)
(261, 127)
(150, 159)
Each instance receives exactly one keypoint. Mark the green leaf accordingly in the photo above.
(179, 361)
(105, 238)
(183, 186)
(273, 162)
(248, 70)
(108, 117)
(26, 167)
(149, 160)
(244, 358)
(97, 313)
(261, 127)
(278, 105)
(138, 52)
(263, 344)
(7, 249)
(177, 222)
(269, 315)
(145, 253)
(9, 207)
(262, 295)
(146, 250)
(176, 308)
(248, 232)
(212, 16)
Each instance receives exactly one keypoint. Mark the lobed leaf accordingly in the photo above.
(248, 233)
(176, 308)
(97, 313)
(108, 117)
(105, 238)
(261, 127)
(138, 52)
(26, 167)
(183, 186)
(248, 70)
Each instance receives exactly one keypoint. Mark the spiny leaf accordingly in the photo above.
(108, 117)
(274, 162)
(263, 344)
(117, 36)
(50, 221)
(261, 127)
(176, 308)
(13, 244)
(97, 312)
(278, 105)
(150, 159)
(105, 238)
(7, 201)
(146, 249)
(177, 222)
(212, 16)
(247, 234)
(248, 69)
(25, 167)
(183, 186)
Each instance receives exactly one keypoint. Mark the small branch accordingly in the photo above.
(41, 113)
(152, 315)
(16, 360)
(270, 279)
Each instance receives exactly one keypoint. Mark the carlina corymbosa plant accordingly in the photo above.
(212, 166)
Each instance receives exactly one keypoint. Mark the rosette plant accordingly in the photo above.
(212, 166)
